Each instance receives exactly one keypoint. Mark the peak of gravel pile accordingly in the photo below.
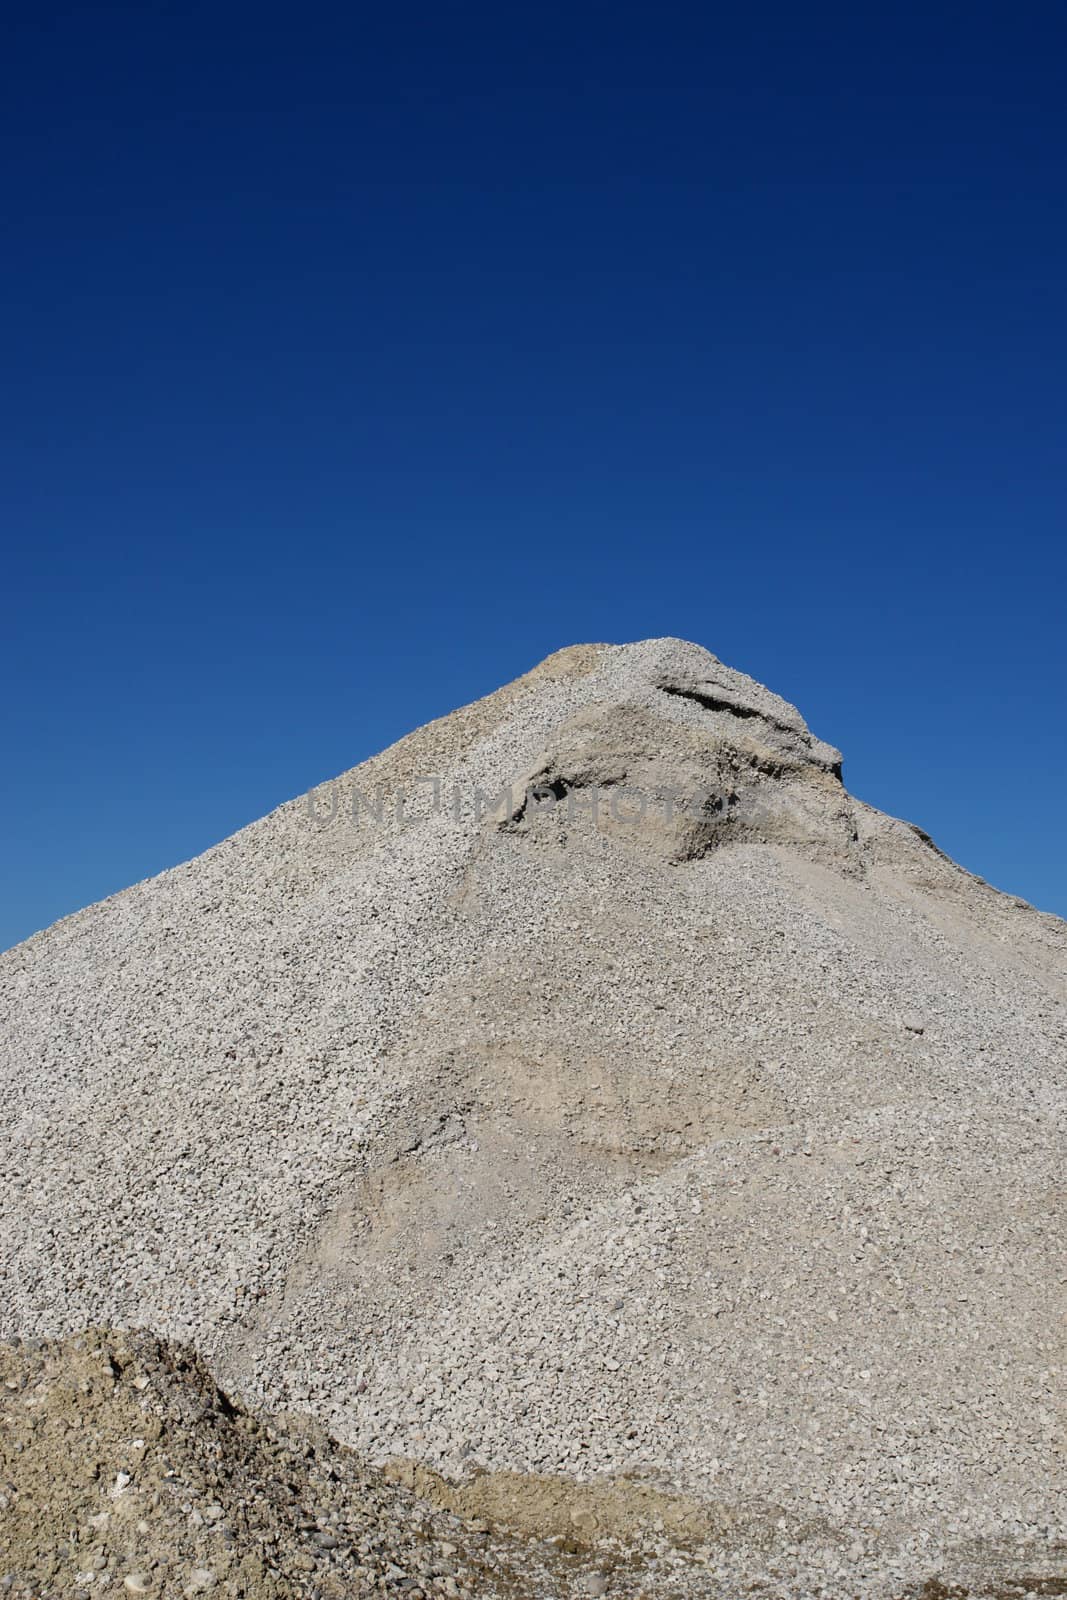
(586, 1088)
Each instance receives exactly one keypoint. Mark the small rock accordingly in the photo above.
(137, 1582)
(201, 1579)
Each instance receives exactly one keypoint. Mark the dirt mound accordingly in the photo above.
(125, 1470)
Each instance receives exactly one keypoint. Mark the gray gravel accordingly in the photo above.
(716, 1140)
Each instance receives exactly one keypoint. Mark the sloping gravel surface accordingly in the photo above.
(124, 1469)
(678, 1120)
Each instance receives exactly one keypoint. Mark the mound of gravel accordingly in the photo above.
(123, 1468)
(587, 1086)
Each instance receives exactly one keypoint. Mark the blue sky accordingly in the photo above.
(356, 359)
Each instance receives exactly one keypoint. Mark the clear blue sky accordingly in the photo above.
(357, 357)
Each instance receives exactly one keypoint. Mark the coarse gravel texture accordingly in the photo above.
(678, 1121)
(124, 1468)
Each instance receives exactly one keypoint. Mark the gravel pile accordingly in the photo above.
(124, 1469)
(677, 1121)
